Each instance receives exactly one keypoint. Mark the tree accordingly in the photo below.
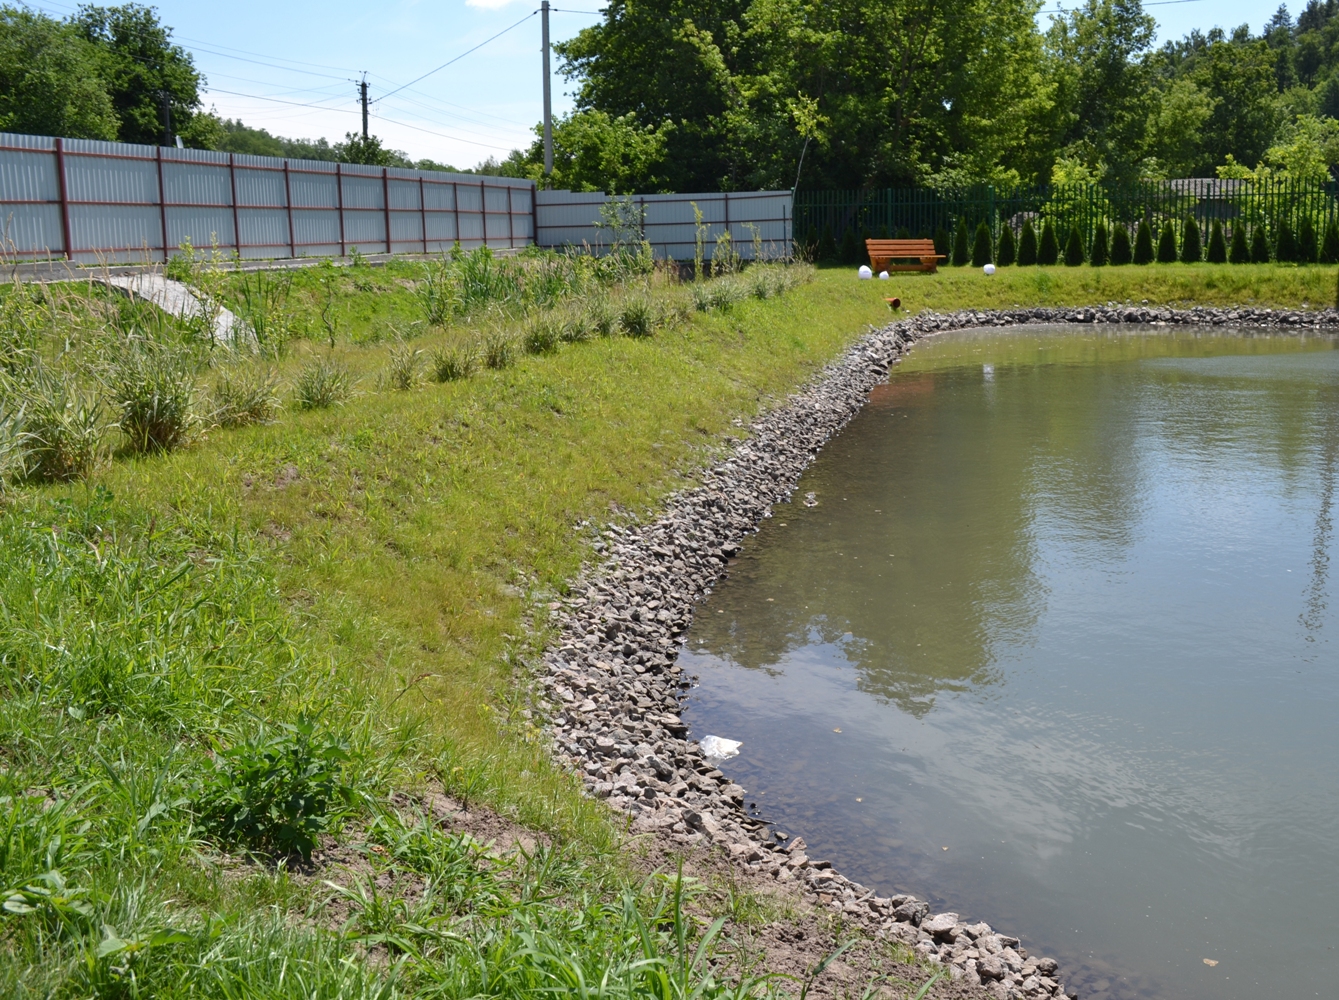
(1176, 129)
(50, 81)
(1121, 252)
(960, 251)
(1074, 248)
(1239, 252)
(1285, 244)
(1259, 246)
(1306, 241)
(1027, 245)
(981, 246)
(369, 151)
(1191, 249)
(943, 243)
(593, 151)
(1099, 255)
(1329, 247)
(1218, 245)
(1167, 244)
(1143, 243)
(1048, 252)
(1007, 251)
(1239, 79)
(143, 70)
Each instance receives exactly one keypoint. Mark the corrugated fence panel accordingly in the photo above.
(116, 233)
(205, 227)
(264, 232)
(30, 197)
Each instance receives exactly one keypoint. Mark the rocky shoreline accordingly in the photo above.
(612, 690)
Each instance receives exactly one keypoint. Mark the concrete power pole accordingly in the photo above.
(167, 116)
(548, 96)
(362, 92)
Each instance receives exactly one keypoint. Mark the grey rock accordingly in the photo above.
(940, 923)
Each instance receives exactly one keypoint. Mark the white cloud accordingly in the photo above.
(489, 4)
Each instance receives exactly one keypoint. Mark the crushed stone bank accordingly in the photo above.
(611, 690)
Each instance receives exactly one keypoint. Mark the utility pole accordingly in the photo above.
(548, 96)
(167, 116)
(362, 92)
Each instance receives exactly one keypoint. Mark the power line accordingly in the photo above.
(459, 57)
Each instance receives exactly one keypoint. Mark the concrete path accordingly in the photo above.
(179, 300)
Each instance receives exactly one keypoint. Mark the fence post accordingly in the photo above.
(162, 199)
(339, 202)
(511, 228)
(455, 207)
(236, 227)
(288, 200)
(483, 211)
(64, 199)
(423, 212)
(534, 213)
(386, 204)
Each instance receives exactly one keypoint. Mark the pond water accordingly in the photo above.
(1056, 648)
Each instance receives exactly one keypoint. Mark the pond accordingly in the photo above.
(1052, 644)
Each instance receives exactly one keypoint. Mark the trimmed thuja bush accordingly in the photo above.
(960, 248)
(1007, 252)
(1121, 251)
(1306, 242)
(1285, 245)
(981, 246)
(1329, 246)
(1259, 246)
(1099, 255)
(1074, 248)
(1239, 252)
(1191, 250)
(1167, 244)
(1143, 243)
(1027, 245)
(1049, 250)
(943, 242)
(1217, 245)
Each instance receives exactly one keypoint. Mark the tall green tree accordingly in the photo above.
(50, 82)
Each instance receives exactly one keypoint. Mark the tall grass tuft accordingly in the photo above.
(499, 349)
(55, 430)
(245, 394)
(153, 387)
(637, 317)
(322, 383)
(436, 292)
(543, 333)
(264, 301)
(402, 368)
(601, 316)
(449, 364)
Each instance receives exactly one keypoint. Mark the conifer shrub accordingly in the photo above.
(1285, 244)
(1192, 252)
(1048, 252)
(981, 246)
(1007, 251)
(1307, 247)
(827, 248)
(1239, 251)
(903, 233)
(961, 252)
(1027, 246)
(942, 242)
(1329, 246)
(1167, 244)
(850, 246)
(1121, 251)
(1074, 248)
(1100, 254)
(1143, 243)
(1217, 245)
(1259, 246)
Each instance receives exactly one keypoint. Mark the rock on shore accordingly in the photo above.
(612, 690)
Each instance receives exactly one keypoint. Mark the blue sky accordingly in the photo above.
(290, 67)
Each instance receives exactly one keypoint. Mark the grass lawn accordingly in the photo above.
(372, 576)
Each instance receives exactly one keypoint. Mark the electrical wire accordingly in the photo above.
(459, 57)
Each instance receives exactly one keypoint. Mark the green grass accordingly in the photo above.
(369, 570)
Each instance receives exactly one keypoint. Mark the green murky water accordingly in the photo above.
(1056, 648)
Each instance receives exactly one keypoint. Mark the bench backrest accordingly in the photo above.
(901, 248)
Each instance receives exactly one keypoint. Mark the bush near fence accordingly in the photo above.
(832, 225)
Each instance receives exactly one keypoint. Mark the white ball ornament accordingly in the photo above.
(989, 269)
(865, 272)
(883, 275)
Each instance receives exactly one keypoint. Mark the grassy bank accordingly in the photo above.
(236, 642)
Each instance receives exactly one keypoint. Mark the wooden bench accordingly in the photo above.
(882, 253)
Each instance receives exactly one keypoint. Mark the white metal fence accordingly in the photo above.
(88, 201)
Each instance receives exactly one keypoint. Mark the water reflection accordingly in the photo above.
(1062, 608)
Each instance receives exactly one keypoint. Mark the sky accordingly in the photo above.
(291, 67)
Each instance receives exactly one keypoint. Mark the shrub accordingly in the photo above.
(276, 790)
(1100, 254)
(452, 363)
(1306, 242)
(1192, 252)
(1217, 245)
(960, 249)
(436, 293)
(1240, 252)
(244, 394)
(1143, 243)
(57, 432)
(323, 382)
(499, 349)
(1027, 245)
(1259, 246)
(1074, 248)
(402, 368)
(542, 334)
(1007, 251)
(1285, 245)
(637, 318)
(943, 242)
(1167, 244)
(851, 248)
(1329, 247)
(827, 248)
(981, 246)
(1121, 251)
(1048, 251)
(154, 389)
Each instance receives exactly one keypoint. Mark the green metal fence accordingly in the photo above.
(922, 212)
